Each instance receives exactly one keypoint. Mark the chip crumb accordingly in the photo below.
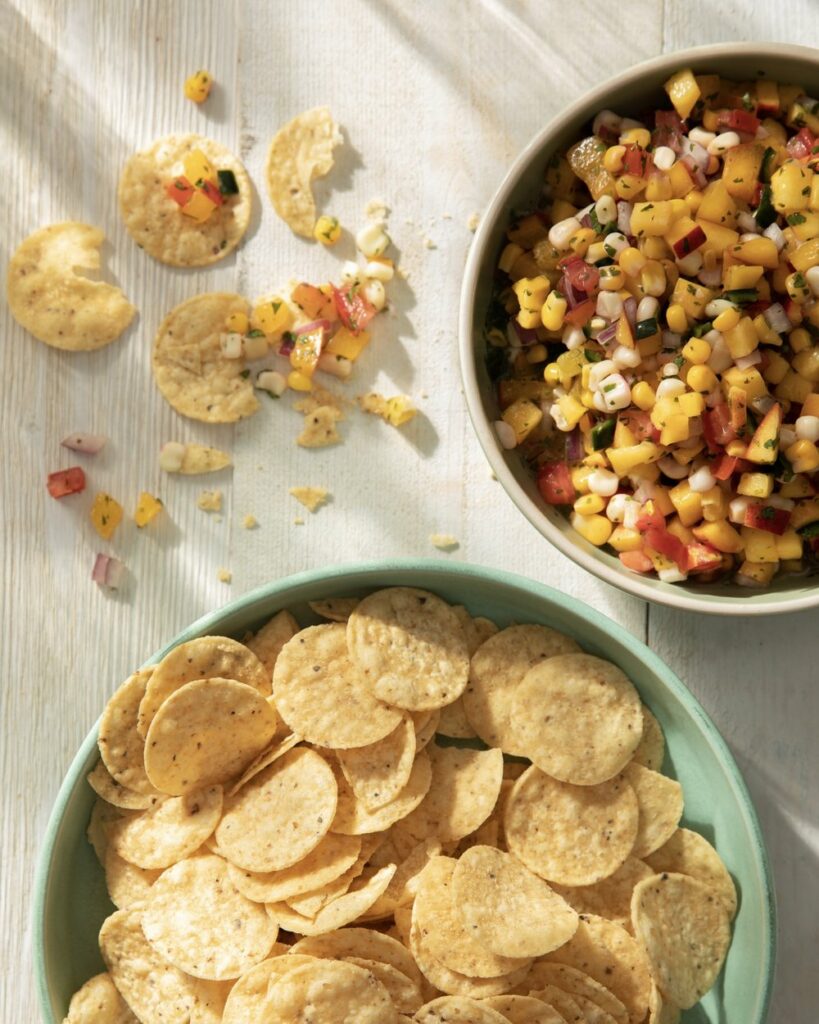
(429, 244)
(319, 397)
(377, 209)
(210, 501)
(298, 521)
(224, 576)
(473, 220)
(320, 428)
(444, 541)
(311, 497)
(396, 411)
(250, 522)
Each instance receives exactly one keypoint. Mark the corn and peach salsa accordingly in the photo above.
(655, 333)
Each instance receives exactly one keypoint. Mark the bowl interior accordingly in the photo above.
(70, 895)
(632, 93)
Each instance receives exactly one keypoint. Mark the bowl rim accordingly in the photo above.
(427, 568)
(669, 594)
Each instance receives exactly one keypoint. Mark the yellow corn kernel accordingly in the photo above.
(799, 339)
(797, 287)
(788, 544)
(237, 323)
(687, 503)
(595, 529)
(197, 86)
(580, 478)
(597, 460)
(106, 515)
(676, 319)
(508, 256)
(755, 485)
(697, 350)
(589, 504)
(624, 539)
(760, 545)
(587, 398)
(612, 278)
(636, 137)
(631, 261)
(551, 374)
(676, 429)
(327, 230)
(720, 535)
(613, 159)
(554, 311)
(531, 292)
(803, 456)
(536, 354)
(299, 381)
(727, 319)
(581, 240)
(528, 318)
(642, 395)
(652, 279)
(148, 508)
(741, 340)
(700, 379)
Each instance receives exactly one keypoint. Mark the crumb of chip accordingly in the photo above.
(298, 521)
(492, 475)
(224, 575)
(444, 541)
(250, 522)
(318, 397)
(429, 244)
(396, 411)
(311, 497)
(376, 209)
(218, 518)
(320, 428)
(403, 274)
(473, 220)
(210, 501)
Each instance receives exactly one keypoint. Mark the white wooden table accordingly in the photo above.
(435, 99)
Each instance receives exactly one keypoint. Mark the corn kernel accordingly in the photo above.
(676, 318)
(528, 318)
(799, 339)
(700, 379)
(197, 87)
(554, 311)
(803, 456)
(298, 381)
(797, 287)
(589, 504)
(596, 529)
(508, 256)
(642, 395)
(327, 230)
(580, 478)
(697, 351)
(631, 261)
(613, 159)
(624, 539)
(612, 278)
(636, 137)
(727, 319)
(536, 354)
(551, 374)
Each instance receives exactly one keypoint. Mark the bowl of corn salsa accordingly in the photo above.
(640, 330)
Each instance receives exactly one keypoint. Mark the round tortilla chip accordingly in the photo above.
(561, 1001)
(405, 995)
(207, 731)
(300, 152)
(464, 790)
(578, 718)
(661, 1011)
(270, 754)
(454, 723)
(156, 991)
(53, 302)
(121, 746)
(280, 815)
(573, 835)
(249, 994)
(495, 671)
(211, 997)
(353, 818)
(410, 647)
(610, 897)
(330, 991)
(309, 903)
(458, 1010)
(335, 609)
(321, 694)
(661, 807)
(613, 958)
(196, 919)
(689, 853)
(170, 830)
(107, 787)
(579, 986)
(127, 884)
(206, 657)
(491, 889)
(524, 1010)
(99, 1002)
(193, 374)
(266, 642)
(685, 929)
(426, 725)
(158, 225)
(102, 816)
(379, 771)
(404, 884)
(352, 905)
(651, 749)
(333, 856)
(361, 942)
(449, 936)
(476, 630)
(453, 982)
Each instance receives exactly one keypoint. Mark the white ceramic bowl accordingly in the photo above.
(628, 93)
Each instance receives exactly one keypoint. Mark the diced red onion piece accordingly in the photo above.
(607, 335)
(630, 310)
(100, 569)
(89, 444)
(314, 325)
(108, 572)
(574, 446)
(287, 344)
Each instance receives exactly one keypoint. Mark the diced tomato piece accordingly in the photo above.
(637, 161)
(65, 482)
(180, 190)
(353, 309)
(639, 423)
(738, 121)
(669, 130)
(637, 561)
(701, 557)
(726, 465)
(766, 517)
(754, 309)
(583, 276)
(665, 543)
(650, 518)
(580, 315)
(757, 196)
(554, 482)
(212, 192)
(800, 147)
(716, 427)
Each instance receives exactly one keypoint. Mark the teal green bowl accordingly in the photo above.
(70, 899)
